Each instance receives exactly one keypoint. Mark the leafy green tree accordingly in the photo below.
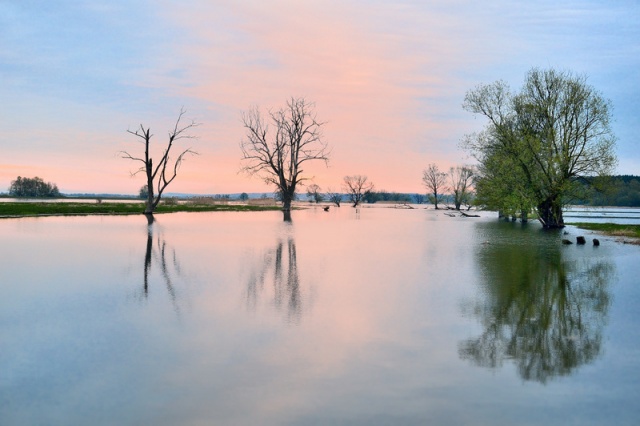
(500, 185)
(33, 187)
(555, 130)
(244, 196)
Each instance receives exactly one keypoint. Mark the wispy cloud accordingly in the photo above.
(388, 77)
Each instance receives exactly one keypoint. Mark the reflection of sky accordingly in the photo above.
(388, 78)
(376, 340)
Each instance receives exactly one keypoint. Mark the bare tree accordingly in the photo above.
(277, 154)
(356, 187)
(165, 170)
(435, 181)
(313, 192)
(461, 181)
(334, 197)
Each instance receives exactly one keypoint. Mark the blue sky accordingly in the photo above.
(388, 77)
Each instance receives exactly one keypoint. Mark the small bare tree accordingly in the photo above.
(277, 154)
(461, 182)
(334, 197)
(165, 170)
(356, 187)
(435, 181)
(314, 192)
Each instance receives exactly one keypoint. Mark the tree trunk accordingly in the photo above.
(286, 202)
(148, 209)
(550, 213)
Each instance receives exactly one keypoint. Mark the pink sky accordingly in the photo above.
(387, 77)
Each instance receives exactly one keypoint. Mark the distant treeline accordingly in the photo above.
(375, 196)
(33, 187)
(621, 191)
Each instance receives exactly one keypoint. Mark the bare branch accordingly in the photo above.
(157, 177)
(275, 154)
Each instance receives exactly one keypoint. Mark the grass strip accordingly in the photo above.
(613, 229)
(62, 209)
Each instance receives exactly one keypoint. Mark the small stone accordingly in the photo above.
(596, 242)
(567, 242)
(581, 240)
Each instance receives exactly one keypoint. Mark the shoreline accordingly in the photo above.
(48, 209)
(625, 234)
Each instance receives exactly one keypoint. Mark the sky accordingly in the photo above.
(387, 77)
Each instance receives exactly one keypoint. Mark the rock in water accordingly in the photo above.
(567, 242)
(596, 242)
(581, 240)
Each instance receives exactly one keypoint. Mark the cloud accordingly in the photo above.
(387, 77)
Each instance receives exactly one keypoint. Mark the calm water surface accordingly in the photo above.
(381, 316)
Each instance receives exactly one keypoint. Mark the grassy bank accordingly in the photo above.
(68, 209)
(612, 229)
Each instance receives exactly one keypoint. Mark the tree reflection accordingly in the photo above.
(279, 267)
(158, 253)
(544, 313)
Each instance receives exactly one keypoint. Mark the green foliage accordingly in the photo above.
(540, 141)
(611, 229)
(621, 191)
(144, 192)
(244, 196)
(375, 196)
(33, 187)
(62, 209)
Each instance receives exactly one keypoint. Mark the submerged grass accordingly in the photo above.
(19, 209)
(613, 229)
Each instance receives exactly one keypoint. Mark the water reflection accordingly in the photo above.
(279, 270)
(538, 309)
(158, 253)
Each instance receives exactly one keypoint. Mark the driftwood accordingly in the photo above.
(469, 215)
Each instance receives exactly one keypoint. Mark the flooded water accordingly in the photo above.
(620, 215)
(375, 316)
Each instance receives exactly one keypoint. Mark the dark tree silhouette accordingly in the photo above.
(277, 153)
(33, 187)
(334, 197)
(356, 187)
(160, 175)
(435, 181)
